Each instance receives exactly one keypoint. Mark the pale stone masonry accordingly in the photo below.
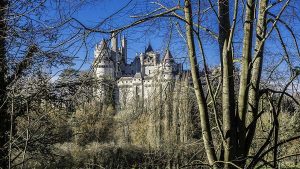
(138, 79)
(152, 94)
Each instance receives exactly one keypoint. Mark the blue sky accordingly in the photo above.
(158, 34)
(139, 37)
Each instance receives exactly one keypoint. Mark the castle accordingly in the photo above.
(153, 90)
(138, 79)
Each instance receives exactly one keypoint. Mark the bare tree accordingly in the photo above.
(239, 121)
(240, 104)
(29, 42)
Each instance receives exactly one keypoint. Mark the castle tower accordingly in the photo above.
(167, 65)
(114, 42)
(124, 49)
(115, 54)
(149, 48)
(104, 64)
(168, 58)
(104, 68)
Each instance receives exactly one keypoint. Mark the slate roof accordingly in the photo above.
(149, 48)
(168, 56)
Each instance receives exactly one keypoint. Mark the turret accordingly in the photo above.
(115, 52)
(101, 49)
(124, 49)
(149, 48)
(168, 58)
(114, 42)
(104, 65)
(168, 65)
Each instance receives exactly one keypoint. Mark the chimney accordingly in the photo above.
(124, 48)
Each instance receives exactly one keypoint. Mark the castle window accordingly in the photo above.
(149, 71)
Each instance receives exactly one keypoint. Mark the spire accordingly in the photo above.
(168, 56)
(149, 48)
(124, 48)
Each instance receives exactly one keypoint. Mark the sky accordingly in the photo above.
(157, 34)
(138, 38)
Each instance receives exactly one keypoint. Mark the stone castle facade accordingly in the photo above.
(151, 94)
(139, 79)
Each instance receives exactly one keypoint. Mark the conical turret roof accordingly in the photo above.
(149, 48)
(168, 56)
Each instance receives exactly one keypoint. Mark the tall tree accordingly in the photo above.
(240, 109)
(4, 116)
(28, 41)
(203, 109)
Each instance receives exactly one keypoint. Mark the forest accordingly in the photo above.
(237, 105)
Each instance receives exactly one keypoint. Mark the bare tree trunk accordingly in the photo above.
(201, 101)
(228, 107)
(245, 74)
(228, 98)
(224, 31)
(4, 116)
(224, 25)
(256, 71)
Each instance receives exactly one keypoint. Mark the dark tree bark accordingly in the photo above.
(224, 25)
(4, 116)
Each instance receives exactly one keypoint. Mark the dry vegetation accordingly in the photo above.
(243, 114)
